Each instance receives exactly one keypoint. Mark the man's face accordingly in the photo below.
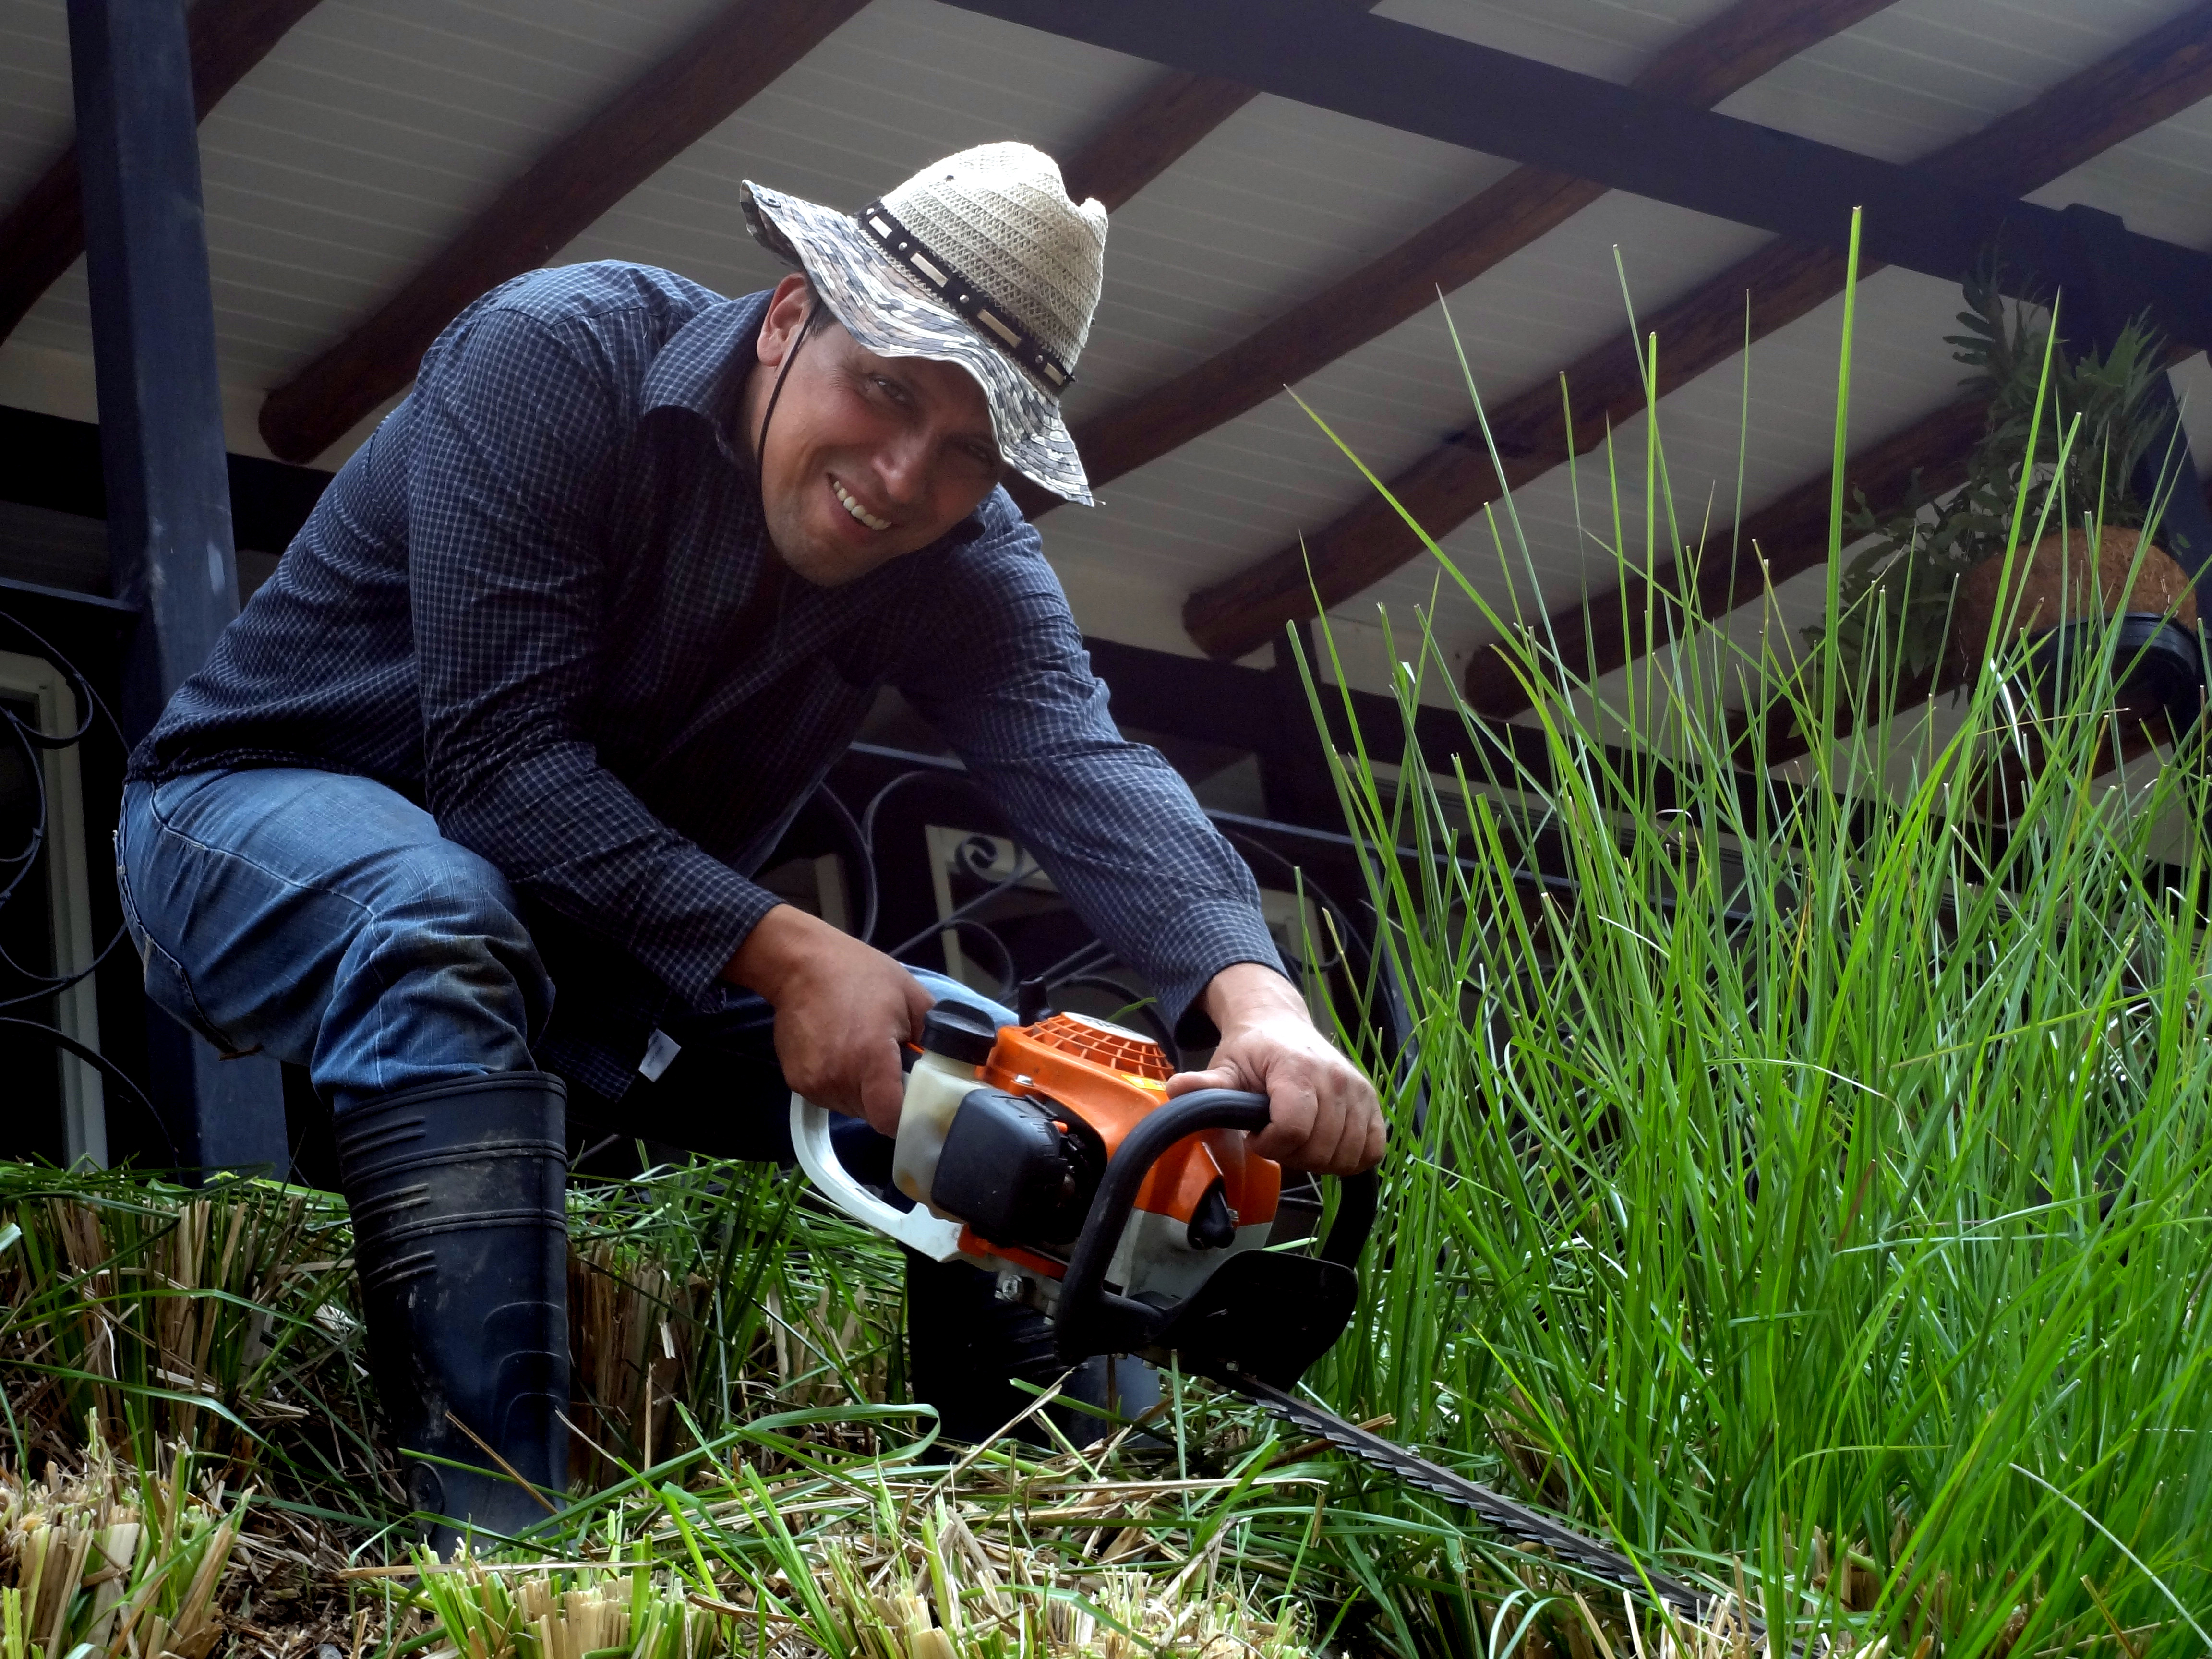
(867, 458)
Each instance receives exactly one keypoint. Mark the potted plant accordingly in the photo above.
(1935, 584)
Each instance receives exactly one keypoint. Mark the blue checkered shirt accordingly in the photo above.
(524, 604)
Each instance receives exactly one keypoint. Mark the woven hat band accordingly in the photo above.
(937, 275)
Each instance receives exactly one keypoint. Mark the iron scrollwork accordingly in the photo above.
(1344, 960)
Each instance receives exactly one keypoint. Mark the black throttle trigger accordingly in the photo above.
(1212, 1224)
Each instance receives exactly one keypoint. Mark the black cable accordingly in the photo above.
(1009, 977)
(33, 745)
(54, 985)
(868, 840)
(863, 857)
(952, 918)
(106, 1066)
(1084, 959)
(95, 704)
(28, 857)
(783, 370)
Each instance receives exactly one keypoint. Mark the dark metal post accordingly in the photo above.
(161, 445)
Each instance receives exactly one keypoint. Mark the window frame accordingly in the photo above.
(69, 898)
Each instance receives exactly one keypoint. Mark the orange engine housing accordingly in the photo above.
(1111, 1079)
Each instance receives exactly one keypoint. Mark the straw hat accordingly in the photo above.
(979, 259)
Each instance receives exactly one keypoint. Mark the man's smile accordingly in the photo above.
(845, 499)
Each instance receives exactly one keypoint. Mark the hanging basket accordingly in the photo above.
(2065, 600)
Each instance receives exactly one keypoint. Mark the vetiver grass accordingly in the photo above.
(1810, 1180)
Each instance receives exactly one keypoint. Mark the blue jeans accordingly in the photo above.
(321, 919)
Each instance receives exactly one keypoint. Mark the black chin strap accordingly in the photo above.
(806, 328)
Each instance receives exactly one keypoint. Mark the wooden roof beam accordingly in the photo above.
(2164, 71)
(736, 55)
(1703, 67)
(1425, 82)
(1148, 135)
(43, 233)
(1153, 131)
(679, 101)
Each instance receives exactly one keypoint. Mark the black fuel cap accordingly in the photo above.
(959, 1031)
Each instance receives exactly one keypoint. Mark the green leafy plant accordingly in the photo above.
(1900, 588)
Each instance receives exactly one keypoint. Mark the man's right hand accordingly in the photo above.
(843, 1008)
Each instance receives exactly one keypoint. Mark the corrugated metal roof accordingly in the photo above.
(378, 127)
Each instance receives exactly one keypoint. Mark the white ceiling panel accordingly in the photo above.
(1920, 73)
(371, 134)
(377, 128)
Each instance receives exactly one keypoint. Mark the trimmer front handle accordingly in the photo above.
(1252, 1294)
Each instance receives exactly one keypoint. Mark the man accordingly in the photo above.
(546, 674)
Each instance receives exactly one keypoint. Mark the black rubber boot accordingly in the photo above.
(461, 1242)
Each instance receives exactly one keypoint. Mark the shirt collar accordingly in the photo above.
(687, 372)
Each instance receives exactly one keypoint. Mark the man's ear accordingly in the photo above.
(787, 311)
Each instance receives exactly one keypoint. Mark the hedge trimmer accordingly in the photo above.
(1050, 1155)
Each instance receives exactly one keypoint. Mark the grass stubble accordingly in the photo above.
(1798, 1177)
(747, 1489)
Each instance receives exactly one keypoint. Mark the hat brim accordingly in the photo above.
(893, 317)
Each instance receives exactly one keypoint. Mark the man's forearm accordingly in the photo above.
(1245, 992)
(774, 949)
(843, 1008)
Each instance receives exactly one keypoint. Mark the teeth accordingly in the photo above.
(857, 510)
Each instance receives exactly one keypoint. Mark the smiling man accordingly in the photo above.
(544, 680)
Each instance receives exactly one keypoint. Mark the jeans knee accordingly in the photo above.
(454, 920)
(455, 894)
(441, 979)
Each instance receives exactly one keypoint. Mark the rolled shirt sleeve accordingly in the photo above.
(1114, 824)
(507, 579)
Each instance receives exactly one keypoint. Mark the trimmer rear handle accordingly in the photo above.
(1091, 1319)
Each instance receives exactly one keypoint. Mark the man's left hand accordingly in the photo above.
(1326, 1118)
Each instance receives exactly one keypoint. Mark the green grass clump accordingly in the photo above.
(1803, 1177)
(224, 1318)
(846, 1531)
(565, 1614)
(717, 1292)
(112, 1560)
(220, 1318)
(746, 1479)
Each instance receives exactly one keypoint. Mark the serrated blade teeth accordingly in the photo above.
(1500, 1514)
